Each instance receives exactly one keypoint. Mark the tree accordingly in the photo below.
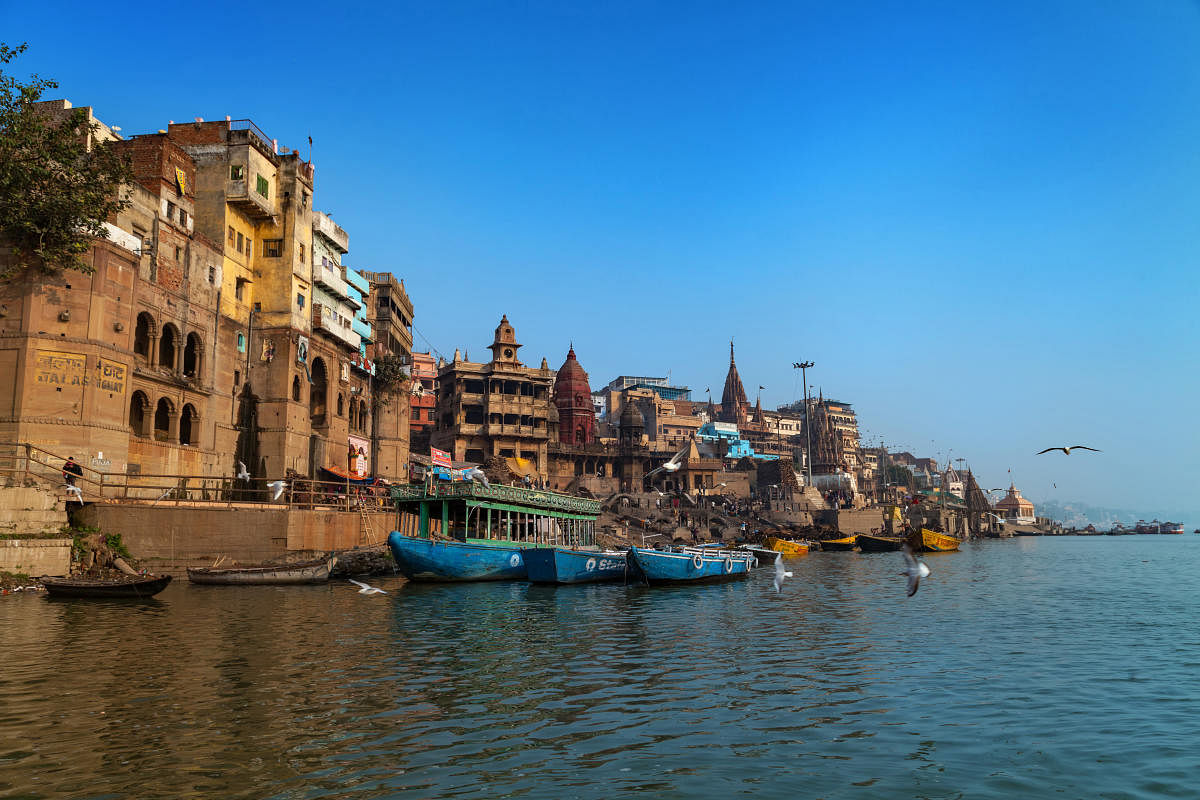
(58, 185)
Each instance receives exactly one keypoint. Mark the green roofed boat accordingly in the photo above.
(465, 531)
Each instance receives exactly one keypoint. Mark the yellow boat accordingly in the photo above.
(787, 547)
(844, 544)
(934, 542)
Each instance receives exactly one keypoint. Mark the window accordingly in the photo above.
(231, 239)
(273, 248)
(178, 253)
(183, 217)
(301, 254)
(299, 300)
(237, 377)
(263, 187)
(170, 210)
(241, 241)
(296, 388)
(238, 288)
(241, 342)
(237, 172)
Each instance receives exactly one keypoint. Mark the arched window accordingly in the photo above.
(189, 425)
(167, 346)
(192, 353)
(341, 405)
(143, 335)
(353, 416)
(164, 420)
(317, 392)
(296, 388)
(362, 415)
(139, 413)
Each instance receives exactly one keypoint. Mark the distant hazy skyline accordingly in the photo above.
(981, 221)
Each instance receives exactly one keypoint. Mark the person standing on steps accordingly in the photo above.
(71, 471)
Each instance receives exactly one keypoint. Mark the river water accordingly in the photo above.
(1035, 667)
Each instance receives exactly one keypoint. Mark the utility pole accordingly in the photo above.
(803, 366)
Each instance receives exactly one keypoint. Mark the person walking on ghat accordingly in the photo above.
(71, 471)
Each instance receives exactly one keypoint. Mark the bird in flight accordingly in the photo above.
(914, 569)
(367, 589)
(242, 475)
(277, 488)
(1068, 450)
(780, 573)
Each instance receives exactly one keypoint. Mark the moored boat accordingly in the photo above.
(689, 564)
(876, 543)
(569, 565)
(307, 572)
(467, 531)
(127, 586)
(842, 544)
(1171, 527)
(788, 548)
(765, 556)
(934, 542)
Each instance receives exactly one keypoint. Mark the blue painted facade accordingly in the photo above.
(360, 289)
(727, 434)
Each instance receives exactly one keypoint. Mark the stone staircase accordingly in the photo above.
(31, 510)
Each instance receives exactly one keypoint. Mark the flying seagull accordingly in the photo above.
(1067, 450)
(76, 492)
(367, 589)
(476, 474)
(277, 488)
(914, 569)
(242, 475)
(780, 574)
(671, 466)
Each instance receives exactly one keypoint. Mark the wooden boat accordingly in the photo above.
(688, 564)
(485, 532)
(765, 556)
(838, 545)
(278, 575)
(569, 565)
(788, 547)
(934, 542)
(875, 543)
(127, 586)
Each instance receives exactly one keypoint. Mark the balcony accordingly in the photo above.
(362, 328)
(329, 276)
(336, 235)
(330, 324)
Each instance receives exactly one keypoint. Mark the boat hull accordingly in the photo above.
(135, 587)
(564, 565)
(869, 543)
(838, 545)
(766, 556)
(658, 566)
(786, 547)
(282, 575)
(934, 542)
(475, 560)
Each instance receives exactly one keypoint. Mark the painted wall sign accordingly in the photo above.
(180, 182)
(60, 369)
(359, 456)
(110, 376)
(302, 350)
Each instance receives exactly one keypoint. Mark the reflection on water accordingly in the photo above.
(1021, 669)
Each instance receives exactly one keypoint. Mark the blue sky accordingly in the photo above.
(981, 221)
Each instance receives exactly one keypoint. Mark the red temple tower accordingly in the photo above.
(573, 398)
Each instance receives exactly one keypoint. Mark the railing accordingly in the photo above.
(247, 125)
(24, 464)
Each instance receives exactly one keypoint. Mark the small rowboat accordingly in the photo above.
(278, 575)
(690, 564)
(838, 545)
(788, 547)
(934, 542)
(129, 586)
(873, 543)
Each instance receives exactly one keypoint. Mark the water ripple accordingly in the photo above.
(1022, 668)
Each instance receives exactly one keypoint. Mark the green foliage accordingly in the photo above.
(79, 548)
(56, 191)
(116, 546)
(391, 373)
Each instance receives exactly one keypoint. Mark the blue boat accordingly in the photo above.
(567, 565)
(689, 564)
(464, 531)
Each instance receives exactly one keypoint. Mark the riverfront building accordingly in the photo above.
(219, 325)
